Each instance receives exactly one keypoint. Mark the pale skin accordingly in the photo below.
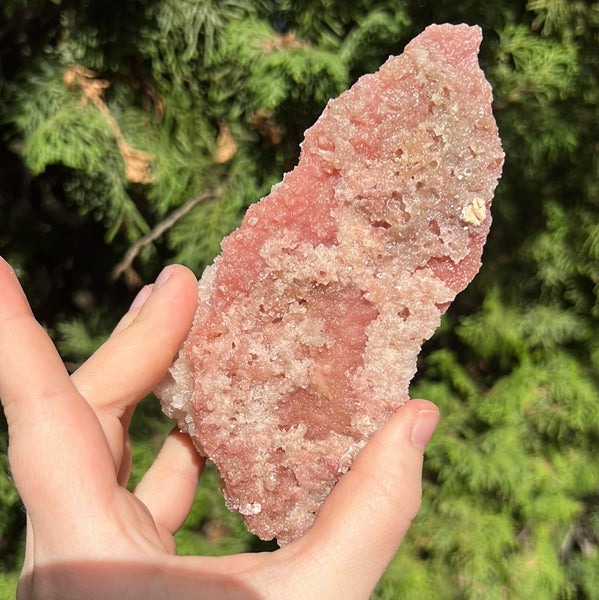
(89, 537)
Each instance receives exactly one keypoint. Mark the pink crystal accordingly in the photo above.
(310, 322)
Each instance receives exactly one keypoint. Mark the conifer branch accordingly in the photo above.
(125, 266)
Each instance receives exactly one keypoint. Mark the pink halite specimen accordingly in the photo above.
(310, 321)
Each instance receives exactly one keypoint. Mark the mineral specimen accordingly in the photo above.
(310, 321)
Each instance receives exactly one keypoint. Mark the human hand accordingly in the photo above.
(89, 537)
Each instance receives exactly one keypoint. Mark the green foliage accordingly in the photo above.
(115, 115)
(78, 339)
(12, 519)
(8, 584)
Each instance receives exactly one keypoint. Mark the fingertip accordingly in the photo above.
(424, 424)
(173, 299)
(174, 275)
(183, 284)
(137, 304)
(13, 300)
(175, 284)
(169, 486)
(172, 272)
(141, 297)
(5, 266)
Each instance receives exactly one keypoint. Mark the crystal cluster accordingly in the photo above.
(310, 321)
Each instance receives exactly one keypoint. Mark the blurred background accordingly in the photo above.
(135, 133)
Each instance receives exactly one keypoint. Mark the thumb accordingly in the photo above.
(362, 523)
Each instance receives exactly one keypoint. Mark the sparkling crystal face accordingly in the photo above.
(311, 320)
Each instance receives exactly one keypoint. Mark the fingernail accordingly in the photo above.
(164, 276)
(424, 427)
(145, 291)
(141, 297)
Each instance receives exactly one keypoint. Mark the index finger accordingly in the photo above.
(29, 365)
(54, 437)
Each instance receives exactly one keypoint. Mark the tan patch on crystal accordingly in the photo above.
(475, 212)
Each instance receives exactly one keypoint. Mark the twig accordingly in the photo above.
(125, 266)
